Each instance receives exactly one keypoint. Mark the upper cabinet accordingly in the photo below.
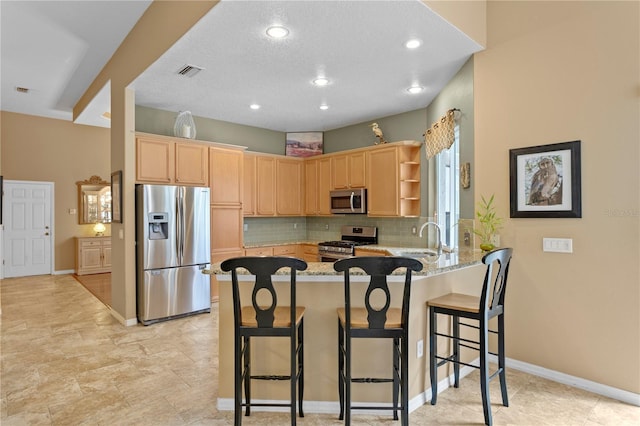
(394, 180)
(273, 185)
(349, 170)
(165, 160)
(317, 186)
(226, 176)
(289, 186)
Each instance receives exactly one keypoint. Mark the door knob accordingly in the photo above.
(46, 233)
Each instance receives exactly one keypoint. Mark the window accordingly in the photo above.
(448, 198)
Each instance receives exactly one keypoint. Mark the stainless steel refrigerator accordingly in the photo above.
(172, 249)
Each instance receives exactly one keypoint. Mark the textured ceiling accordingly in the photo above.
(57, 48)
(358, 45)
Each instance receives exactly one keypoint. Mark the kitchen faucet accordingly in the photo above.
(438, 235)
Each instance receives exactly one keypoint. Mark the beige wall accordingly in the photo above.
(43, 149)
(555, 72)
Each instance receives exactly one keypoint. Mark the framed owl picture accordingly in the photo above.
(545, 181)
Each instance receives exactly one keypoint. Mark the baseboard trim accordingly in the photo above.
(324, 407)
(65, 272)
(126, 322)
(573, 381)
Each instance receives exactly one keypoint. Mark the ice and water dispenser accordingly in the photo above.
(158, 226)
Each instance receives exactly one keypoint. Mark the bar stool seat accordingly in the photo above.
(282, 316)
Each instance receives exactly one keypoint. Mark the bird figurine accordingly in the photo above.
(378, 132)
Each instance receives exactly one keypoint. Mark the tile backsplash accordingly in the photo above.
(391, 231)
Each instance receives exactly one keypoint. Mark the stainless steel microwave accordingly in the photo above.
(349, 201)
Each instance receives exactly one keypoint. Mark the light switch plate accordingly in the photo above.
(558, 245)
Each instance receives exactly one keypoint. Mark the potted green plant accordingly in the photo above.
(490, 223)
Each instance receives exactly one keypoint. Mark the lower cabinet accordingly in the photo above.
(93, 255)
(308, 252)
(365, 252)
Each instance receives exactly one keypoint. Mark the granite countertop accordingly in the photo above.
(433, 265)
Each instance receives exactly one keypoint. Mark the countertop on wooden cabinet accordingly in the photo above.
(446, 262)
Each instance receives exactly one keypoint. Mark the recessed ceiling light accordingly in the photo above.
(323, 107)
(321, 81)
(415, 89)
(254, 106)
(413, 43)
(277, 32)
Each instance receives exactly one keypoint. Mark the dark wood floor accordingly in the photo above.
(98, 284)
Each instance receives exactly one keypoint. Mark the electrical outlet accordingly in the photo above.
(414, 230)
(420, 348)
(295, 226)
(246, 227)
(326, 227)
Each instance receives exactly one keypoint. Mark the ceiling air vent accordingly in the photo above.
(189, 70)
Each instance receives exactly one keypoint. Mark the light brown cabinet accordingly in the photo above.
(349, 170)
(317, 186)
(164, 160)
(289, 187)
(394, 181)
(249, 185)
(93, 255)
(225, 176)
(259, 251)
(308, 252)
(285, 250)
(265, 186)
(273, 186)
(226, 229)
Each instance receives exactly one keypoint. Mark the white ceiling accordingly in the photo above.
(56, 49)
(358, 45)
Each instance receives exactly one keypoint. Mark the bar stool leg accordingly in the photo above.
(347, 380)
(301, 366)
(247, 375)
(501, 361)
(456, 351)
(433, 350)
(237, 380)
(484, 372)
(292, 378)
(396, 379)
(341, 369)
(405, 381)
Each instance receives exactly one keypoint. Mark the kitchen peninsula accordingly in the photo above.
(320, 290)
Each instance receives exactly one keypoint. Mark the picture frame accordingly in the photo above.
(116, 197)
(545, 181)
(304, 144)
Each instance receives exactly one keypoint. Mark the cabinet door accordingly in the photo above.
(324, 186)
(259, 251)
(106, 255)
(265, 186)
(383, 196)
(154, 160)
(192, 164)
(286, 250)
(249, 185)
(91, 258)
(225, 176)
(226, 229)
(289, 187)
(339, 168)
(357, 170)
(311, 187)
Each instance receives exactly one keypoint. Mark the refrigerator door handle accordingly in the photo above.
(179, 236)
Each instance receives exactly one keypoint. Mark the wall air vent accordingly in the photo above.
(189, 70)
(22, 90)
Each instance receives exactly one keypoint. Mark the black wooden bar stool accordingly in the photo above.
(373, 322)
(273, 320)
(490, 304)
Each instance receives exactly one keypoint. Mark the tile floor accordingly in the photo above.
(66, 361)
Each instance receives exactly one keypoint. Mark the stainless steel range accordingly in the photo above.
(352, 236)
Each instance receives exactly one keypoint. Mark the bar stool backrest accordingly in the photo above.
(263, 268)
(495, 281)
(378, 268)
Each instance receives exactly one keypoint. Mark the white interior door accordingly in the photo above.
(28, 233)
